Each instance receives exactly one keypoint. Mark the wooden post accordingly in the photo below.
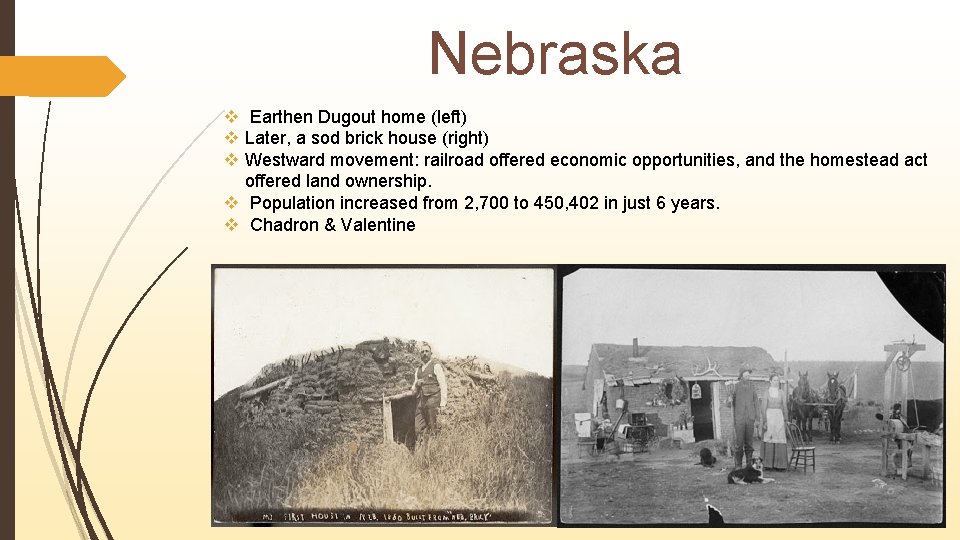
(888, 385)
(894, 350)
(265, 388)
(905, 453)
(387, 407)
(715, 390)
(885, 450)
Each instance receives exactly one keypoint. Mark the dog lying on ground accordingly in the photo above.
(707, 458)
(751, 474)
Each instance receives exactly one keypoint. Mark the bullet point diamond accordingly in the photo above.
(231, 116)
(231, 137)
(231, 159)
(231, 202)
(231, 224)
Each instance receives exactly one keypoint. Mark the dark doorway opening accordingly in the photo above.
(403, 415)
(702, 410)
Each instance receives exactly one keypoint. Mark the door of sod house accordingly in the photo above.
(702, 410)
(399, 414)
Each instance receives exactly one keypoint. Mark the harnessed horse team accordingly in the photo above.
(807, 404)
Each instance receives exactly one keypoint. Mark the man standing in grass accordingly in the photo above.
(430, 387)
(744, 416)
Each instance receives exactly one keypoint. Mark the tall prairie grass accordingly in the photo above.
(498, 458)
(257, 466)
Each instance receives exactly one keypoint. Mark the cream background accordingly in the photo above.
(757, 78)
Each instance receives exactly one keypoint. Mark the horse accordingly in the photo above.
(837, 398)
(800, 406)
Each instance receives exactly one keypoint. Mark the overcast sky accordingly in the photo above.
(263, 315)
(813, 315)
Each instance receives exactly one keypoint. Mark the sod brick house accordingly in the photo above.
(665, 384)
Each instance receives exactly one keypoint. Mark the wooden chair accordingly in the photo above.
(799, 451)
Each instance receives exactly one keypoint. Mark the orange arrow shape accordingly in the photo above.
(58, 76)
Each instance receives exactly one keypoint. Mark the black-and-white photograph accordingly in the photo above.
(383, 395)
(741, 396)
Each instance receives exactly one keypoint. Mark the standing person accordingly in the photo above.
(600, 434)
(744, 416)
(773, 403)
(430, 387)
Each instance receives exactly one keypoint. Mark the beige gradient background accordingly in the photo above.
(757, 78)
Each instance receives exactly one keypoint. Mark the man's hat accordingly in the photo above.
(745, 369)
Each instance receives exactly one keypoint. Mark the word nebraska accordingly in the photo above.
(521, 58)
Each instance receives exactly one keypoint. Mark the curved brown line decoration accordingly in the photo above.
(76, 483)
(116, 247)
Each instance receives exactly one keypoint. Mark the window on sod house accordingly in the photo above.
(668, 390)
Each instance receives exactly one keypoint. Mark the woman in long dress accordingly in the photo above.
(773, 403)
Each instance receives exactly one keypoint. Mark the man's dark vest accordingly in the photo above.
(428, 378)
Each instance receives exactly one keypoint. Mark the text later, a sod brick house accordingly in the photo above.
(667, 384)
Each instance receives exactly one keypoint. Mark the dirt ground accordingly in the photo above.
(666, 486)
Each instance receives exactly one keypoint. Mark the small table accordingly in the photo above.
(925, 440)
